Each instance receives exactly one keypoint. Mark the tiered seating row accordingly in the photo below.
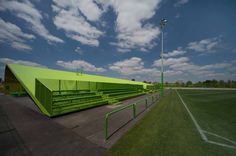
(64, 96)
(123, 94)
(64, 102)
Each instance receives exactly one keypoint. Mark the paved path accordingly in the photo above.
(39, 135)
(90, 123)
(25, 131)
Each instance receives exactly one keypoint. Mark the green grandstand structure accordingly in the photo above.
(58, 92)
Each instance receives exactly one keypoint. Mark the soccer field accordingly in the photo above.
(202, 123)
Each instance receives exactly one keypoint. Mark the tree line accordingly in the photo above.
(207, 83)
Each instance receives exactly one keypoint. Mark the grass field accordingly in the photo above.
(169, 130)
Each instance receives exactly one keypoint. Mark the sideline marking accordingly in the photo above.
(201, 132)
(193, 119)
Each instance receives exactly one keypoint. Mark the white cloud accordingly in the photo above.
(176, 52)
(180, 3)
(171, 61)
(11, 34)
(89, 9)
(189, 69)
(169, 73)
(22, 62)
(78, 50)
(216, 66)
(132, 32)
(70, 18)
(177, 15)
(130, 66)
(26, 10)
(233, 61)
(79, 64)
(134, 68)
(181, 67)
(20, 46)
(77, 17)
(205, 45)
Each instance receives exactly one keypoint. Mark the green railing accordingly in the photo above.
(153, 98)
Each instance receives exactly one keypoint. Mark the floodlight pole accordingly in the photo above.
(162, 24)
(162, 70)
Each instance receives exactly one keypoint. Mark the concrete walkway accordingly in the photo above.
(25, 131)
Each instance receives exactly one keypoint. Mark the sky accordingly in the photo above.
(122, 38)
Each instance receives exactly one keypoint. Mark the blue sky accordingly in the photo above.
(121, 38)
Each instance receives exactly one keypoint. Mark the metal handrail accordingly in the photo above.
(134, 105)
(113, 112)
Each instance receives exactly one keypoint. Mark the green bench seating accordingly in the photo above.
(76, 98)
(121, 94)
(116, 91)
(66, 92)
(63, 96)
(65, 101)
(72, 100)
(123, 97)
(75, 107)
(58, 97)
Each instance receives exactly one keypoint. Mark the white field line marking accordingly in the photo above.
(219, 89)
(220, 144)
(201, 132)
(193, 119)
(231, 141)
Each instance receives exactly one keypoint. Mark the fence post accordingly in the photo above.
(134, 110)
(60, 86)
(146, 103)
(76, 85)
(106, 127)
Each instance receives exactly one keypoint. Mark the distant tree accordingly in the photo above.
(166, 84)
(233, 84)
(132, 79)
(144, 81)
(214, 83)
(0, 80)
(155, 83)
(177, 84)
(206, 83)
(189, 83)
(221, 83)
(228, 84)
(198, 84)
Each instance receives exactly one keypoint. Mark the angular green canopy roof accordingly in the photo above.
(26, 75)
